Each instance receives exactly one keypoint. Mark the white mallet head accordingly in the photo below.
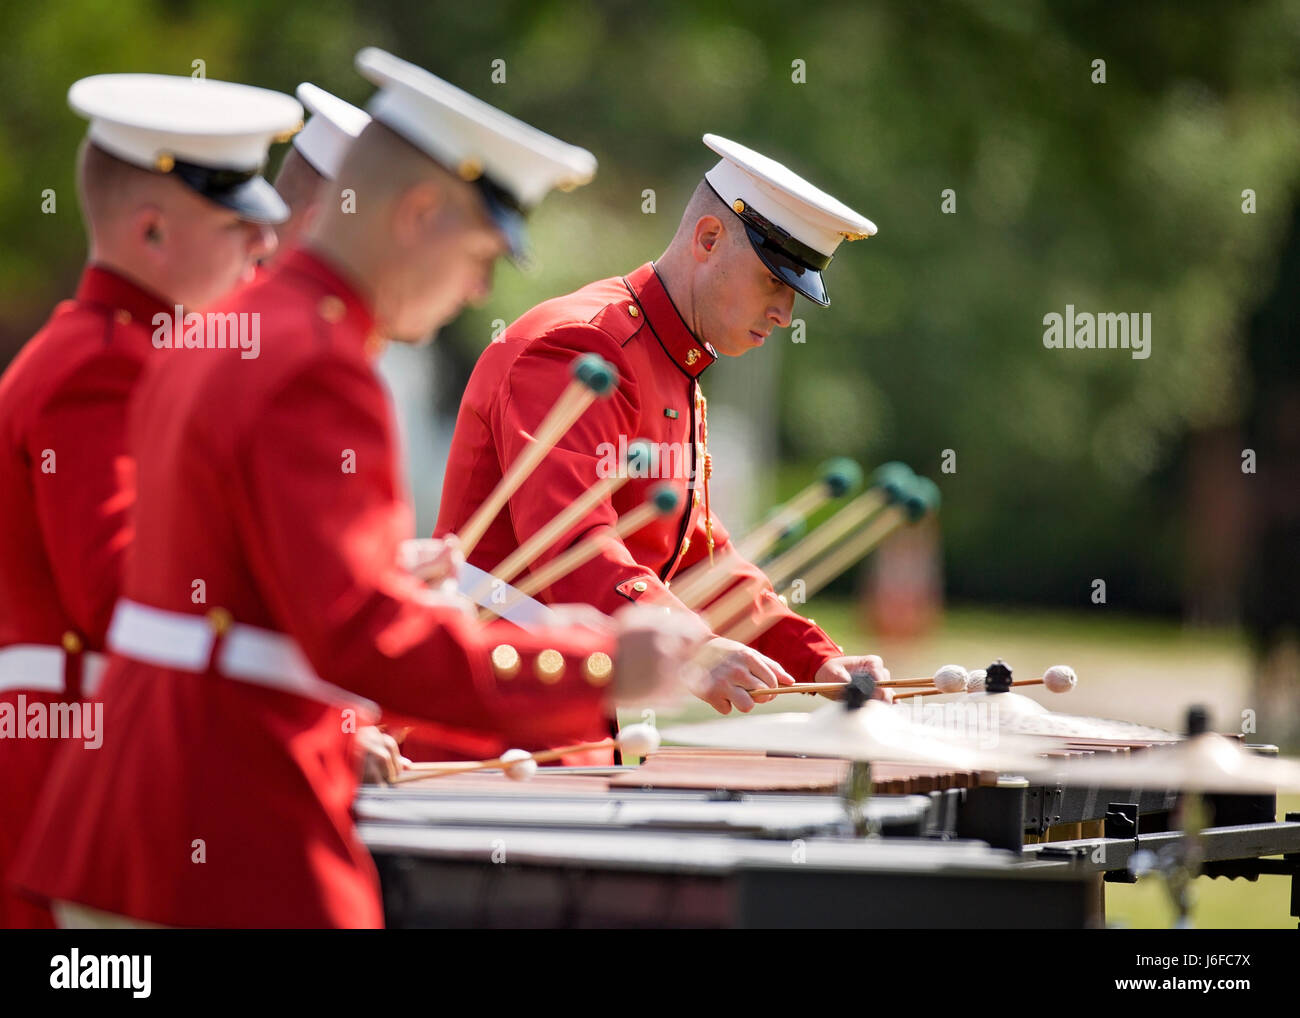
(638, 740)
(519, 764)
(951, 679)
(1060, 678)
(975, 681)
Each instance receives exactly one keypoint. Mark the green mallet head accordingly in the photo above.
(892, 471)
(663, 497)
(596, 373)
(842, 476)
(922, 498)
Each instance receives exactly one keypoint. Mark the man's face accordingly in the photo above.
(204, 250)
(450, 265)
(739, 300)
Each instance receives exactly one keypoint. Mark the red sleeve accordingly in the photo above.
(83, 484)
(798, 644)
(323, 519)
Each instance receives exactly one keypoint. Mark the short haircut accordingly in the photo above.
(705, 202)
(386, 163)
(108, 186)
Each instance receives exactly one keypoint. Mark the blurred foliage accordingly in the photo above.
(1123, 196)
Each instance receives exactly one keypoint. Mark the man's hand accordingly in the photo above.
(381, 758)
(436, 562)
(652, 664)
(730, 670)
(432, 559)
(841, 669)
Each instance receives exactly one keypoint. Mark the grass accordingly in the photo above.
(1221, 904)
(1131, 669)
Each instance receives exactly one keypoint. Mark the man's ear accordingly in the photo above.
(148, 230)
(708, 235)
(416, 212)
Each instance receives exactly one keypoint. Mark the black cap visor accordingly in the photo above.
(241, 191)
(509, 218)
(799, 277)
(795, 263)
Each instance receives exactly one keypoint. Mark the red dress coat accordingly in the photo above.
(221, 802)
(633, 324)
(66, 488)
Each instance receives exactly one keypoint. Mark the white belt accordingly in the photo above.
(257, 656)
(41, 667)
(516, 606)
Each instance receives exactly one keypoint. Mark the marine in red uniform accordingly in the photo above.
(752, 236)
(305, 179)
(66, 480)
(264, 614)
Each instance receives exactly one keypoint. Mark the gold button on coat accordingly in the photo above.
(598, 669)
(331, 308)
(549, 666)
(505, 661)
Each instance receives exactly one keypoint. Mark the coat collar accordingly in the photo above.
(340, 303)
(126, 299)
(689, 354)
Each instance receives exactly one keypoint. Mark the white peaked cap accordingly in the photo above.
(214, 135)
(333, 126)
(510, 159)
(751, 182)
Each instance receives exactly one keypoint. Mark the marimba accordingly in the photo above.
(742, 838)
(575, 852)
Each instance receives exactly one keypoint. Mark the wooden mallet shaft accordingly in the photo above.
(593, 378)
(655, 506)
(696, 590)
(443, 768)
(745, 630)
(842, 523)
(519, 559)
(855, 548)
(838, 477)
(831, 687)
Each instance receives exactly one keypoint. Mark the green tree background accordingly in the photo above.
(1122, 196)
